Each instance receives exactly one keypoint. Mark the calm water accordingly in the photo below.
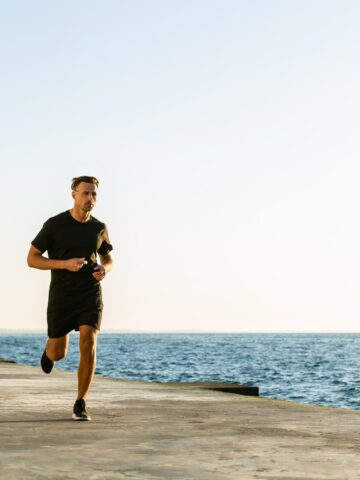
(311, 368)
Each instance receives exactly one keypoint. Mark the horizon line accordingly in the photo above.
(107, 331)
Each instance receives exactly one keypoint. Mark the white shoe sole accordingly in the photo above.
(81, 419)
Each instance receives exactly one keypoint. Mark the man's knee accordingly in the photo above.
(59, 353)
(88, 337)
(57, 348)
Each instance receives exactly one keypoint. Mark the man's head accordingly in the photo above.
(84, 191)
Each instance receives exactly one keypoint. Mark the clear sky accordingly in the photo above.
(225, 135)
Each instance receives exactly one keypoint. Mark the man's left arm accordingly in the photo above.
(100, 271)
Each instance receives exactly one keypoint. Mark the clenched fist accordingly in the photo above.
(75, 264)
(99, 272)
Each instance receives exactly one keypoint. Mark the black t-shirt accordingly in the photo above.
(64, 237)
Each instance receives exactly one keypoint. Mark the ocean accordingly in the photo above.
(320, 369)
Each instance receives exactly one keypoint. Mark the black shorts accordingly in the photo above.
(61, 323)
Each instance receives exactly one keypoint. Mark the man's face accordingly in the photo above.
(85, 196)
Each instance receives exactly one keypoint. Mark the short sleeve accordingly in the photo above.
(43, 239)
(105, 246)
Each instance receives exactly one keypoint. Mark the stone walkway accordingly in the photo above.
(150, 431)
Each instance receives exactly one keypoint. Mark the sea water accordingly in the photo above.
(320, 369)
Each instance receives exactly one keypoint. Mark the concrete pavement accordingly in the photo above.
(150, 431)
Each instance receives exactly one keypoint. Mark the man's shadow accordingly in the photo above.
(40, 420)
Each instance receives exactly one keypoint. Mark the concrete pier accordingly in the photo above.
(149, 431)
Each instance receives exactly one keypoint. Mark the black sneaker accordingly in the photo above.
(80, 412)
(46, 363)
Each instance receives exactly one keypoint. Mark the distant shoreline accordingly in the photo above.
(190, 332)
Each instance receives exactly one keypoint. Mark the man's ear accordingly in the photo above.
(73, 194)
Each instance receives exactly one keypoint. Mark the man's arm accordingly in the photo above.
(106, 265)
(35, 259)
(106, 261)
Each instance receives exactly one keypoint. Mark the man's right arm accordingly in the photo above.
(35, 259)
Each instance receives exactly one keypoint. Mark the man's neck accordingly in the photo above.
(80, 215)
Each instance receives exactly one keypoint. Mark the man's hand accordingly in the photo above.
(99, 272)
(74, 264)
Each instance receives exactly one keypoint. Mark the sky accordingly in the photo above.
(225, 135)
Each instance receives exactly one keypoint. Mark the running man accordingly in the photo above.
(73, 240)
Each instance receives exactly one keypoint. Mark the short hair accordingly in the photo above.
(83, 178)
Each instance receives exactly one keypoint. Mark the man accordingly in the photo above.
(74, 239)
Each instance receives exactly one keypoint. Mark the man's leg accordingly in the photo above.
(87, 343)
(56, 348)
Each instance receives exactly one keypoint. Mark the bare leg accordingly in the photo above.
(87, 342)
(56, 348)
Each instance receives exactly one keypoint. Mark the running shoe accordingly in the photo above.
(46, 363)
(80, 412)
